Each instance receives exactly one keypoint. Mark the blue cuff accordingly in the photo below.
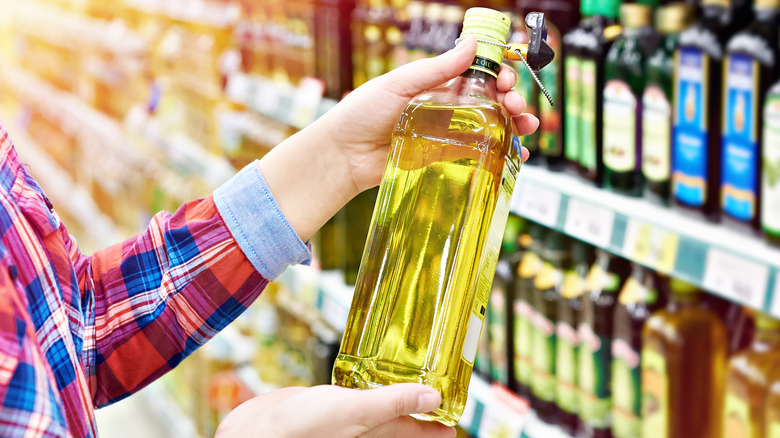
(258, 225)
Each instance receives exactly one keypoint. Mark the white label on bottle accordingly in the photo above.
(735, 278)
(539, 204)
(589, 223)
(472, 338)
(656, 134)
(619, 126)
(770, 187)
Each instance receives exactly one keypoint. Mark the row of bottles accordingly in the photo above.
(678, 104)
(603, 347)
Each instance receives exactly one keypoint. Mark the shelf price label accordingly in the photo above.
(505, 414)
(590, 223)
(651, 246)
(735, 278)
(539, 204)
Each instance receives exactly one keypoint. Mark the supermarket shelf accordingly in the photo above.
(168, 413)
(738, 267)
(324, 292)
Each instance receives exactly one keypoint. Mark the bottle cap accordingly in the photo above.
(433, 11)
(674, 18)
(724, 3)
(766, 4)
(453, 14)
(634, 15)
(607, 8)
(766, 322)
(682, 287)
(415, 10)
(588, 7)
(488, 25)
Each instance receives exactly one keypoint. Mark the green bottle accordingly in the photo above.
(657, 104)
(525, 84)
(625, 81)
(770, 179)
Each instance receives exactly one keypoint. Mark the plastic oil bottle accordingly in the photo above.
(770, 178)
(575, 270)
(697, 111)
(595, 333)
(424, 282)
(638, 298)
(684, 348)
(750, 69)
(748, 379)
(523, 306)
(625, 83)
(670, 20)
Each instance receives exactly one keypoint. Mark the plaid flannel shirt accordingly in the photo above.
(79, 332)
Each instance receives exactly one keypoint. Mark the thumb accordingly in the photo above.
(389, 402)
(414, 78)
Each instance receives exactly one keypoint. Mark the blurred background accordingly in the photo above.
(125, 108)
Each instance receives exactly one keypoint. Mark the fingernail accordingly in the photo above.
(462, 45)
(427, 402)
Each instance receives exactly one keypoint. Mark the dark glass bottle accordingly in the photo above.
(561, 16)
(595, 332)
(625, 81)
(525, 85)
(698, 85)
(523, 307)
(638, 298)
(545, 318)
(770, 178)
(656, 104)
(598, 37)
(575, 270)
(751, 67)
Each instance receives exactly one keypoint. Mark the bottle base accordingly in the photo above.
(361, 373)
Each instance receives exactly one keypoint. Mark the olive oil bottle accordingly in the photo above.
(543, 343)
(671, 20)
(770, 178)
(748, 379)
(572, 289)
(625, 83)
(684, 350)
(425, 277)
(697, 111)
(638, 298)
(595, 333)
(750, 68)
(523, 306)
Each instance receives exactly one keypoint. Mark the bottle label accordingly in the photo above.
(619, 126)
(656, 135)
(626, 390)
(522, 341)
(770, 190)
(572, 125)
(594, 367)
(588, 115)
(739, 182)
(655, 400)
(573, 285)
(599, 279)
(736, 417)
(550, 141)
(497, 335)
(689, 177)
(543, 358)
(529, 265)
(566, 396)
(548, 277)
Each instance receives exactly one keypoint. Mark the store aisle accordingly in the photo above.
(130, 418)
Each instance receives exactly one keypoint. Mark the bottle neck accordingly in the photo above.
(684, 300)
(478, 82)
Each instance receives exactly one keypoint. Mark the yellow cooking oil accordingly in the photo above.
(425, 276)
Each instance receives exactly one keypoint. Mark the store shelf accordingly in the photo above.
(325, 292)
(739, 267)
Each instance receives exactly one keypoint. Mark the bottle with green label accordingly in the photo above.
(523, 308)
(572, 289)
(594, 42)
(770, 178)
(545, 317)
(656, 103)
(357, 219)
(750, 68)
(748, 379)
(595, 332)
(625, 81)
(684, 351)
(525, 84)
(561, 16)
(697, 107)
(637, 300)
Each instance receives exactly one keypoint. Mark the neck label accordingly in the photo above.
(487, 65)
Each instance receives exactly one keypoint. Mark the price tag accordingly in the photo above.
(306, 101)
(651, 246)
(776, 297)
(504, 416)
(735, 278)
(467, 418)
(539, 204)
(589, 223)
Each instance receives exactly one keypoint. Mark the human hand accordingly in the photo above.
(335, 412)
(362, 124)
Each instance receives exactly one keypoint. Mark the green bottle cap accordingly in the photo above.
(608, 8)
(766, 322)
(487, 25)
(589, 7)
